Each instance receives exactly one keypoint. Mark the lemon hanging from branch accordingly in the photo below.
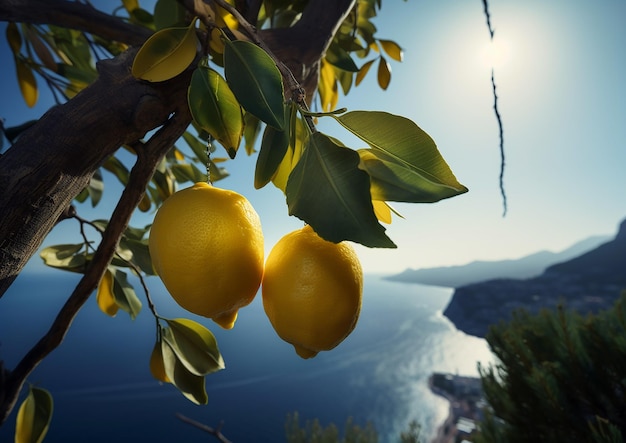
(206, 244)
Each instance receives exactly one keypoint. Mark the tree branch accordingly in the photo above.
(73, 15)
(52, 162)
(147, 160)
(216, 432)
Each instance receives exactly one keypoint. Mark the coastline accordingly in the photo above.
(466, 400)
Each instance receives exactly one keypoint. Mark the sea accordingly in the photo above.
(103, 391)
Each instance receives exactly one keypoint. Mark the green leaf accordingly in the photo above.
(166, 54)
(345, 80)
(141, 17)
(64, 257)
(40, 48)
(214, 107)
(190, 385)
(195, 346)
(273, 149)
(117, 168)
(252, 127)
(339, 57)
(168, 13)
(124, 293)
(95, 187)
(198, 147)
(139, 253)
(327, 190)
(77, 75)
(255, 80)
(298, 135)
(34, 416)
(403, 162)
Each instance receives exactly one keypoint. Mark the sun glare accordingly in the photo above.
(496, 53)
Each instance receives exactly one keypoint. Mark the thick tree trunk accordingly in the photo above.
(54, 160)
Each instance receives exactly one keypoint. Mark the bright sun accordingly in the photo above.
(496, 53)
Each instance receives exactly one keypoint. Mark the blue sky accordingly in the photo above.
(563, 103)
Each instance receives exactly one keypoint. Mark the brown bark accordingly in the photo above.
(73, 15)
(53, 160)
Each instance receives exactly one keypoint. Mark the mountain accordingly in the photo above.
(588, 283)
(477, 271)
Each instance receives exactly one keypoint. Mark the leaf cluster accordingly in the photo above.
(560, 377)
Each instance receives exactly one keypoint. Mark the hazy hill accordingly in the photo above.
(477, 271)
(587, 283)
(605, 263)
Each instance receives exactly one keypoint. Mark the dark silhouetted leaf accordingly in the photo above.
(255, 81)
(327, 190)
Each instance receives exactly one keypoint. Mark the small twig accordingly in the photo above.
(497, 112)
(488, 18)
(130, 264)
(216, 432)
(501, 131)
(140, 175)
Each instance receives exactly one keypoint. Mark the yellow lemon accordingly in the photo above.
(206, 244)
(312, 291)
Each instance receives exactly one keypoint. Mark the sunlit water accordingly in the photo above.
(103, 390)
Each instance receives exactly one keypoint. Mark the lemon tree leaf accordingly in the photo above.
(252, 128)
(14, 38)
(168, 13)
(41, 49)
(190, 385)
(382, 211)
(124, 293)
(117, 168)
(185, 172)
(105, 297)
(139, 253)
(298, 135)
(157, 365)
(195, 346)
(215, 108)
(363, 72)
(130, 5)
(403, 161)
(345, 80)
(327, 87)
(273, 149)
(339, 57)
(327, 190)
(384, 73)
(27, 82)
(392, 49)
(95, 187)
(255, 80)
(166, 54)
(198, 148)
(34, 416)
(64, 257)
